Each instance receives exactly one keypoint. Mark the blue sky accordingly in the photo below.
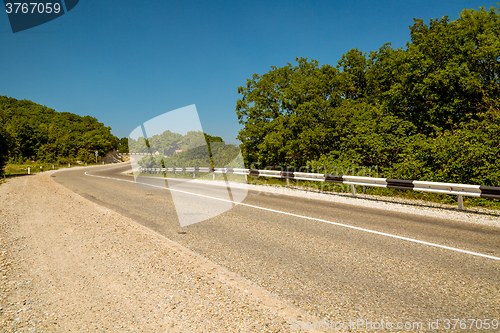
(125, 62)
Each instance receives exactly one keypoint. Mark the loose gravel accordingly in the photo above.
(67, 264)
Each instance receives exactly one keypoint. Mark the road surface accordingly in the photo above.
(369, 264)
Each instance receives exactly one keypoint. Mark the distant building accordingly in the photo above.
(178, 151)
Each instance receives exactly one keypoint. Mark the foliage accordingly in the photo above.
(123, 145)
(430, 111)
(35, 167)
(286, 113)
(4, 148)
(42, 134)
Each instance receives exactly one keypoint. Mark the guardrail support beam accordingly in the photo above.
(460, 190)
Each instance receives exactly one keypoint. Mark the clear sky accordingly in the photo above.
(125, 62)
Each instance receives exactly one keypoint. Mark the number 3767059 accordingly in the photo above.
(32, 7)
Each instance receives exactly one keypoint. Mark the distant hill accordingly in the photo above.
(168, 142)
(30, 131)
(194, 149)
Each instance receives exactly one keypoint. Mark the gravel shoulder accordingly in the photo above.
(67, 264)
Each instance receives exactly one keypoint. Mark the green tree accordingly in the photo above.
(430, 111)
(123, 145)
(450, 71)
(352, 80)
(4, 148)
(286, 113)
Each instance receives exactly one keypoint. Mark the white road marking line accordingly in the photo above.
(316, 219)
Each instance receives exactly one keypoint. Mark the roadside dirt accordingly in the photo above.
(67, 264)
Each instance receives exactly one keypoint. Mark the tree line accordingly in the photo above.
(33, 132)
(428, 111)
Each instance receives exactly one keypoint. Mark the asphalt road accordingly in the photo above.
(330, 270)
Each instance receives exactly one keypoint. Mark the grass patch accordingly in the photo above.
(12, 170)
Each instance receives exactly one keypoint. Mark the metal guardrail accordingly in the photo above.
(460, 190)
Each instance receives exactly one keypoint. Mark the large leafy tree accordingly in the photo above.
(428, 111)
(352, 80)
(123, 145)
(450, 72)
(286, 113)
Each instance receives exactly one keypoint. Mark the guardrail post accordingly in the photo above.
(460, 202)
(287, 182)
(29, 170)
(353, 190)
(194, 174)
(213, 176)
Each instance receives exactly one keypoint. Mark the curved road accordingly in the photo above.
(360, 267)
